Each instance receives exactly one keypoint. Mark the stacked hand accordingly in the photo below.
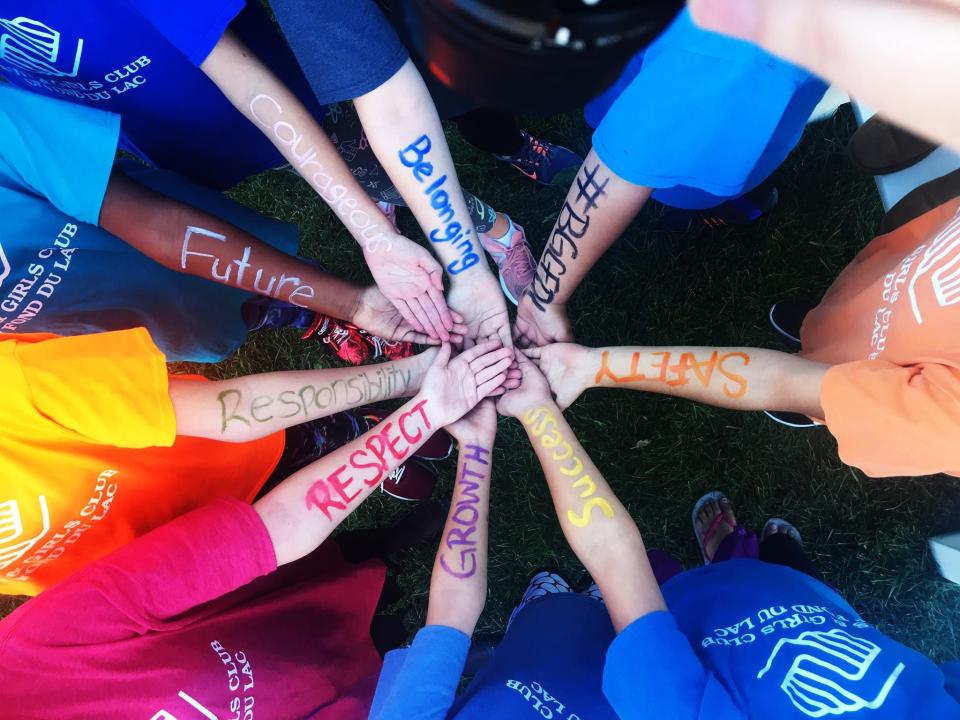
(410, 278)
(376, 314)
(535, 327)
(479, 300)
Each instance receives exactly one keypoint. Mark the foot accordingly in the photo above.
(354, 345)
(740, 211)
(779, 526)
(879, 147)
(412, 482)
(511, 253)
(713, 523)
(540, 160)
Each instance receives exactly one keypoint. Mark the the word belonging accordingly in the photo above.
(389, 446)
(679, 374)
(572, 224)
(304, 159)
(450, 230)
(361, 389)
(274, 288)
(465, 513)
(568, 464)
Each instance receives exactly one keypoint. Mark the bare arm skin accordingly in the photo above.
(598, 208)
(596, 525)
(458, 587)
(739, 378)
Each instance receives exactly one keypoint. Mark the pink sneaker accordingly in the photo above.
(512, 255)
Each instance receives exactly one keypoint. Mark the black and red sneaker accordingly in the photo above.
(355, 345)
(412, 481)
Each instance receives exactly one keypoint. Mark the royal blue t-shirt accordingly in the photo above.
(702, 117)
(139, 59)
(748, 639)
(62, 274)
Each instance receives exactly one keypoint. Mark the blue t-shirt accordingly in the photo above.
(748, 639)
(346, 49)
(548, 666)
(62, 274)
(139, 59)
(702, 117)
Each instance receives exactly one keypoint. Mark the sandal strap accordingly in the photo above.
(711, 531)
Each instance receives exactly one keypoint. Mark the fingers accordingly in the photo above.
(891, 54)
(489, 388)
(433, 324)
(479, 349)
(417, 309)
(492, 371)
(416, 338)
(407, 314)
(533, 353)
(492, 358)
(457, 317)
(439, 304)
(443, 357)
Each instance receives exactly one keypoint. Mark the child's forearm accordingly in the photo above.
(257, 93)
(254, 406)
(598, 528)
(303, 510)
(733, 377)
(458, 587)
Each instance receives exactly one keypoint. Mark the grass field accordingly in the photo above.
(660, 454)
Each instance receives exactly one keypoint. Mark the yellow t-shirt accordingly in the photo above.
(90, 458)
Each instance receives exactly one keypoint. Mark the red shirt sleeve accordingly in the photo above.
(891, 420)
(151, 583)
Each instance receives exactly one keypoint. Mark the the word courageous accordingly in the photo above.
(464, 516)
(364, 387)
(299, 291)
(367, 466)
(303, 156)
(677, 375)
(450, 230)
(569, 465)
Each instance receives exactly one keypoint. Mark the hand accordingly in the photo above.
(533, 390)
(410, 278)
(454, 387)
(480, 301)
(376, 314)
(892, 55)
(535, 327)
(479, 423)
(569, 368)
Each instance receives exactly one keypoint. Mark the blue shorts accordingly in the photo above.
(702, 117)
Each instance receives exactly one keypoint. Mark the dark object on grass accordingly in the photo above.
(879, 147)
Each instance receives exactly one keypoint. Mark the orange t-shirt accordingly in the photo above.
(90, 458)
(890, 325)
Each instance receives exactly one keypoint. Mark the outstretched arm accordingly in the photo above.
(405, 272)
(739, 378)
(596, 525)
(254, 406)
(598, 208)
(304, 509)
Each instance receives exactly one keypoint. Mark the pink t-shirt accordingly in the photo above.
(176, 626)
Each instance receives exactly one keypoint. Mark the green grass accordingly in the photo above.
(660, 454)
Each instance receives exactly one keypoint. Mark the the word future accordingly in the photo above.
(678, 375)
(548, 435)
(272, 287)
(450, 230)
(366, 467)
(464, 516)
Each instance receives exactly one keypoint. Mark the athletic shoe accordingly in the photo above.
(740, 211)
(540, 160)
(412, 482)
(879, 147)
(263, 313)
(513, 257)
(542, 584)
(438, 446)
(355, 345)
(787, 316)
(389, 211)
(313, 439)
(794, 420)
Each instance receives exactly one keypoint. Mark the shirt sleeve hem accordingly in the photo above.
(217, 28)
(374, 80)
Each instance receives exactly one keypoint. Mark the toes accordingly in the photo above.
(727, 510)
(707, 513)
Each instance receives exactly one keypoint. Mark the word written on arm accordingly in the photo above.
(384, 448)
(268, 113)
(274, 288)
(543, 426)
(310, 400)
(450, 230)
(464, 516)
(572, 224)
(679, 374)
